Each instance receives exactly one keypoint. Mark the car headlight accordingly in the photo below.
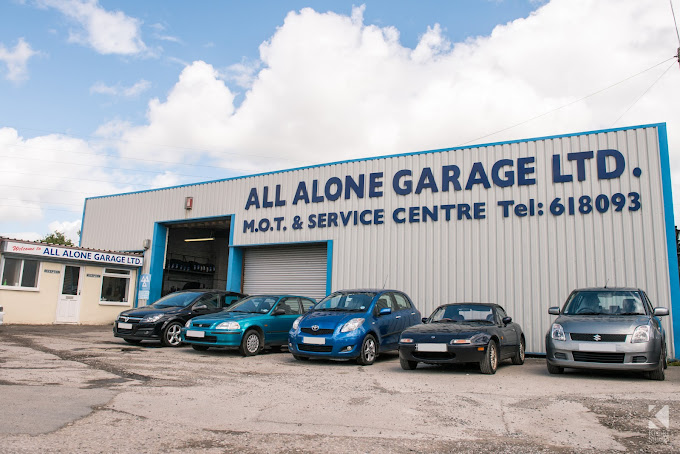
(641, 334)
(296, 323)
(406, 340)
(229, 326)
(459, 341)
(352, 325)
(187, 324)
(152, 318)
(557, 332)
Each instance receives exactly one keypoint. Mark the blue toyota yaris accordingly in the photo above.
(353, 324)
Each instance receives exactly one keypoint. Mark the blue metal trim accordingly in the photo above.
(157, 261)
(329, 266)
(135, 303)
(234, 264)
(82, 224)
(671, 240)
(373, 158)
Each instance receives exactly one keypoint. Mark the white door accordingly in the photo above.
(295, 270)
(68, 305)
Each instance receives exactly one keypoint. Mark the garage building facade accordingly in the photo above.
(518, 223)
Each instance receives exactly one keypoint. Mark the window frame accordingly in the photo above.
(119, 275)
(19, 288)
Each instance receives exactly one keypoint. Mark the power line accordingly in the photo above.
(565, 105)
(36, 208)
(42, 202)
(131, 158)
(42, 175)
(645, 92)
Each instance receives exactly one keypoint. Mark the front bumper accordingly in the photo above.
(215, 338)
(643, 356)
(454, 354)
(139, 331)
(334, 346)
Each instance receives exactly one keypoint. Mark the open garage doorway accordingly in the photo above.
(196, 255)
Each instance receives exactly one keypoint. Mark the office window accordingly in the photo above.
(20, 273)
(115, 285)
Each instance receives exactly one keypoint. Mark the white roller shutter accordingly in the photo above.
(297, 270)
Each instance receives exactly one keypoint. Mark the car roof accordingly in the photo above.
(277, 295)
(206, 290)
(477, 303)
(366, 290)
(604, 289)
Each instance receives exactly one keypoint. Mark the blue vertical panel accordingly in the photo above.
(329, 267)
(160, 235)
(670, 236)
(235, 269)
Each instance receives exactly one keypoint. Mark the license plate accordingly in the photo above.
(314, 340)
(192, 333)
(124, 325)
(596, 347)
(431, 347)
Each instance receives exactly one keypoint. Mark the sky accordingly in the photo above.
(104, 97)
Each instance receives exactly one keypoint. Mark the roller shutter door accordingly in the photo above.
(297, 270)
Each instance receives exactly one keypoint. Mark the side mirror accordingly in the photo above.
(424, 319)
(200, 307)
(385, 311)
(506, 320)
(660, 311)
(279, 311)
(554, 311)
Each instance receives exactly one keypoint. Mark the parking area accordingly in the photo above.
(78, 389)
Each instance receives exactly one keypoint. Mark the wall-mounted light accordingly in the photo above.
(188, 203)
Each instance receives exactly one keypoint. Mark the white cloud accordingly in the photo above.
(68, 228)
(119, 90)
(52, 172)
(107, 32)
(17, 60)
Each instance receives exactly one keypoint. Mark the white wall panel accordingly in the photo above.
(523, 263)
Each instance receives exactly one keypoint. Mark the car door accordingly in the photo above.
(406, 312)
(387, 323)
(279, 325)
(509, 337)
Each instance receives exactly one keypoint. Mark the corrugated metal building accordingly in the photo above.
(520, 224)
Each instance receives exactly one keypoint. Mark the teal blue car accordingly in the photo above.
(250, 325)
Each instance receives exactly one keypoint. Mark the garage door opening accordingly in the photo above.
(196, 255)
(295, 269)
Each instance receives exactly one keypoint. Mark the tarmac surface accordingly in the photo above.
(79, 389)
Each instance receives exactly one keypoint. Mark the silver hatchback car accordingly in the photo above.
(607, 328)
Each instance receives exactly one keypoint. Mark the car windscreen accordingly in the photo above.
(604, 302)
(176, 300)
(352, 302)
(254, 305)
(462, 313)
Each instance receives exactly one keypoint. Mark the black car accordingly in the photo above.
(463, 333)
(164, 319)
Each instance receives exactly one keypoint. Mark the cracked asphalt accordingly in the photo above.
(79, 389)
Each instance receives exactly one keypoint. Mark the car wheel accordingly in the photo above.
(171, 335)
(554, 369)
(408, 365)
(519, 355)
(251, 344)
(369, 351)
(490, 362)
(199, 348)
(300, 358)
(658, 373)
(133, 341)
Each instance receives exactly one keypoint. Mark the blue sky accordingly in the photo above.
(100, 97)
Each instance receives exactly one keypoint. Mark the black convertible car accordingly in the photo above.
(463, 333)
